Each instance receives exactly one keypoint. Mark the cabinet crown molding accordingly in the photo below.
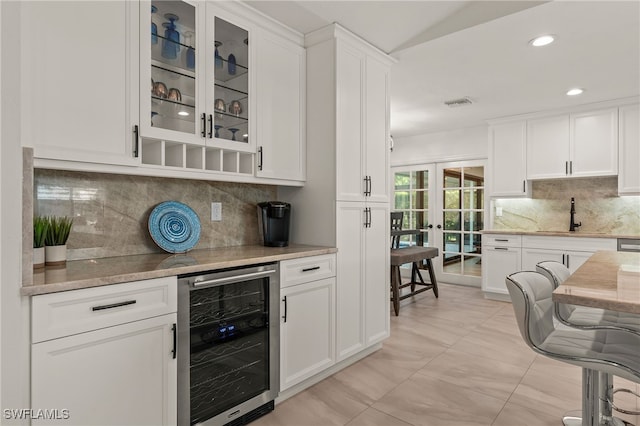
(612, 103)
(338, 32)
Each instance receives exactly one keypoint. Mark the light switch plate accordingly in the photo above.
(498, 211)
(216, 212)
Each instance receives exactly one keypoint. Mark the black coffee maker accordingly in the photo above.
(273, 223)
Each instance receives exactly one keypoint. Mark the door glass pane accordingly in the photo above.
(451, 199)
(231, 84)
(411, 196)
(402, 180)
(173, 78)
(452, 221)
(401, 200)
(463, 217)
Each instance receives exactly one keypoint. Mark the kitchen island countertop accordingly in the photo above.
(79, 274)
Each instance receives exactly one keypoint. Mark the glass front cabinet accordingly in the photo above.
(195, 86)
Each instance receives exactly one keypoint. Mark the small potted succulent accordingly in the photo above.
(56, 240)
(40, 228)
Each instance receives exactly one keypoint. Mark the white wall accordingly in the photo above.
(462, 144)
(14, 319)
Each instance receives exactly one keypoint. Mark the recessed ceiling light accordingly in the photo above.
(542, 40)
(185, 113)
(575, 92)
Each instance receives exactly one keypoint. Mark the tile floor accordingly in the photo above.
(457, 360)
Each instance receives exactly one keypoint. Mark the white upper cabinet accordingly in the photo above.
(507, 159)
(376, 136)
(362, 126)
(594, 143)
(195, 78)
(171, 93)
(80, 80)
(573, 145)
(629, 151)
(280, 98)
(548, 147)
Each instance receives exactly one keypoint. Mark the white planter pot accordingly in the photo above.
(38, 258)
(55, 255)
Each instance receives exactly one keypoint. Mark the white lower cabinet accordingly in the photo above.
(500, 257)
(506, 253)
(307, 324)
(362, 316)
(117, 373)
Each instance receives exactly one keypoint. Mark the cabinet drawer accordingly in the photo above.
(70, 312)
(307, 269)
(502, 240)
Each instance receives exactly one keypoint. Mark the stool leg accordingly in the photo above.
(394, 288)
(432, 277)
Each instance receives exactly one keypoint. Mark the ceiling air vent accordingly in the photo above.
(458, 102)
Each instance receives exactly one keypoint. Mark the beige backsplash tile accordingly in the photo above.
(597, 206)
(111, 211)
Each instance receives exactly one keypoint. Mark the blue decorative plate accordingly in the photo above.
(174, 227)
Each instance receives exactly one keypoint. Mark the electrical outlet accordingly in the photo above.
(216, 212)
(498, 211)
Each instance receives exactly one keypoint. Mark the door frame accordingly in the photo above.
(435, 212)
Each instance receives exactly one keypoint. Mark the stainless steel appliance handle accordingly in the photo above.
(232, 279)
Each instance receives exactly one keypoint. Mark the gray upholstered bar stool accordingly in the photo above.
(612, 352)
(591, 319)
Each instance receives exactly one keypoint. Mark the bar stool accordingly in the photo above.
(411, 255)
(591, 319)
(597, 352)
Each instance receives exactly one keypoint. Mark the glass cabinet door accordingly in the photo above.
(169, 101)
(231, 85)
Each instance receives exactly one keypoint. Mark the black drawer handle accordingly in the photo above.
(113, 305)
(315, 268)
(502, 240)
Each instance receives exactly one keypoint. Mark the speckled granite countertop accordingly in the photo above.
(112, 270)
(585, 234)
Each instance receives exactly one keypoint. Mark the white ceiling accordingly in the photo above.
(451, 49)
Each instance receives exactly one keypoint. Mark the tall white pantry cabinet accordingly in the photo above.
(345, 201)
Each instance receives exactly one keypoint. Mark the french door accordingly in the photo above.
(445, 202)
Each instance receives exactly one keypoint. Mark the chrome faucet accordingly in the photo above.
(572, 223)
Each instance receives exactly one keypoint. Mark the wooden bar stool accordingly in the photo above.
(411, 255)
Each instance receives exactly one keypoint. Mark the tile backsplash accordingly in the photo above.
(110, 212)
(598, 207)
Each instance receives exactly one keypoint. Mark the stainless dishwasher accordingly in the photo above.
(228, 345)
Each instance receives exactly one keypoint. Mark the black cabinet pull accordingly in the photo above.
(369, 194)
(210, 126)
(175, 341)
(566, 167)
(567, 261)
(204, 125)
(136, 137)
(524, 186)
(315, 268)
(112, 305)
(284, 299)
(259, 158)
(366, 185)
(570, 167)
(504, 240)
(502, 248)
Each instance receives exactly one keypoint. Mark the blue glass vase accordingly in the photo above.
(171, 42)
(154, 28)
(217, 57)
(231, 64)
(191, 52)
